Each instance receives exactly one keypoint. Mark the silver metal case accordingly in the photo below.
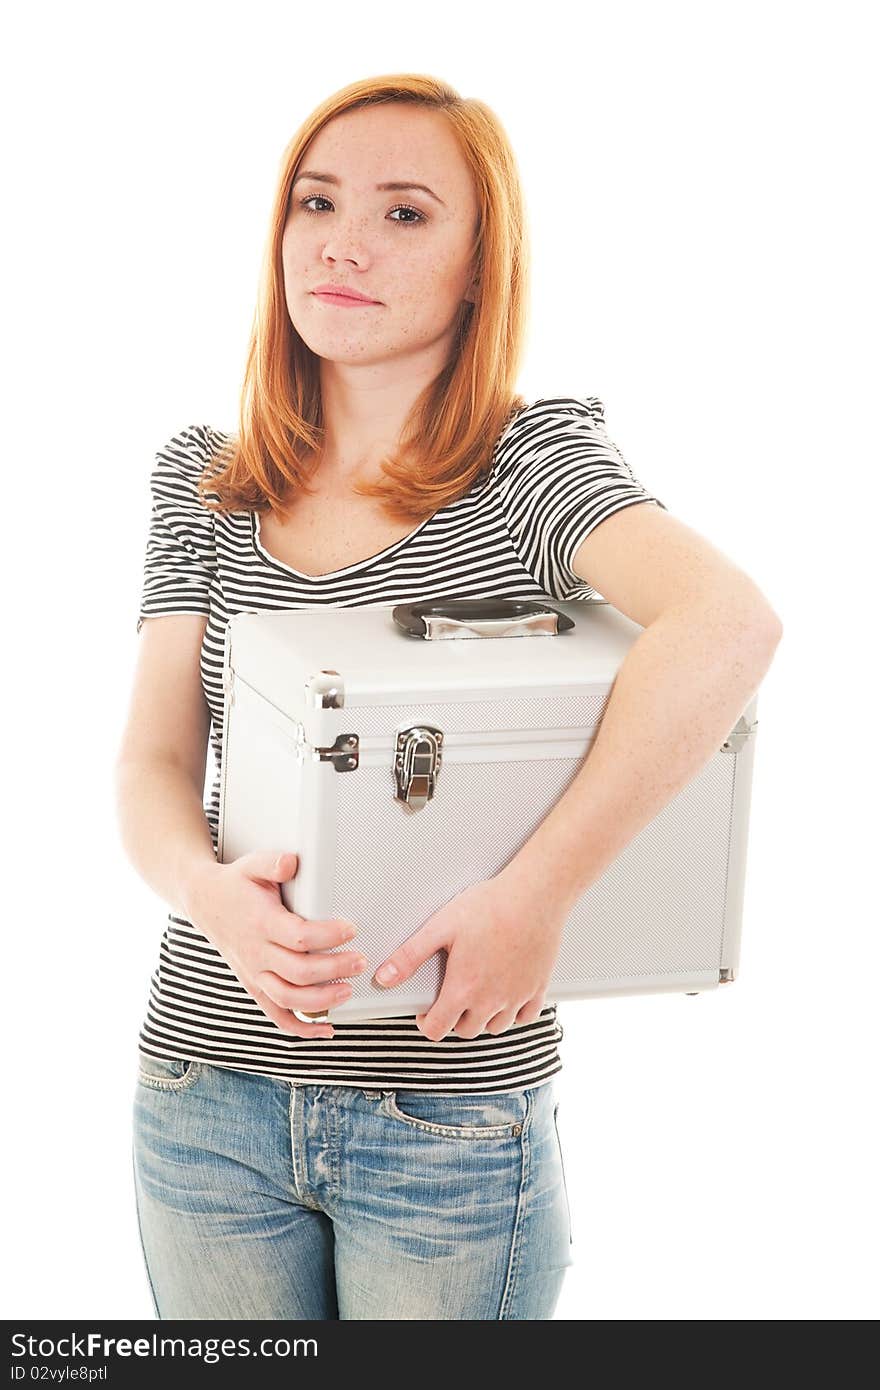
(408, 752)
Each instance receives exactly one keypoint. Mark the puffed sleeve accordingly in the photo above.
(558, 476)
(180, 560)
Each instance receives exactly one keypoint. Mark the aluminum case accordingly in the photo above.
(406, 752)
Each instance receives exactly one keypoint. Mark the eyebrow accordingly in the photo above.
(397, 186)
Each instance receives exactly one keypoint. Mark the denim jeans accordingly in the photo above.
(259, 1197)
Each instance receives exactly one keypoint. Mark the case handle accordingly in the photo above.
(490, 617)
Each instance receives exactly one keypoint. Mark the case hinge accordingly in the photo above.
(742, 731)
(343, 754)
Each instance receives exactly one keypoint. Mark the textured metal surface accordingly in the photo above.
(658, 908)
(483, 716)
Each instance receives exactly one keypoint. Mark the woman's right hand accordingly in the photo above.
(282, 960)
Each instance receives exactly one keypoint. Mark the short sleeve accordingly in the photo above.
(558, 476)
(180, 560)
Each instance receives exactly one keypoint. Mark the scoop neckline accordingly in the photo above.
(330, 574)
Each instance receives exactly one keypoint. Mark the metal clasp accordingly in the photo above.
(417, 761)
(343, 754)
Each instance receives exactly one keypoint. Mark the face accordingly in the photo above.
(407, 250)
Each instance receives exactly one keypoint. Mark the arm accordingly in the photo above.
(708, 642)
(163, 828)
(575, 510)
(160, 765)
(678, 694)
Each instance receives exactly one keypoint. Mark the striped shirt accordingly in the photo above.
(554, 476)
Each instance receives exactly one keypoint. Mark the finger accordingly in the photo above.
(440, 1019)
(470, 1025)
(501, 1021)
(285, 1020)
(530, 1011)
(272, 867)
(308, 998)
(297, 933)
(408, 958)
(312, 967)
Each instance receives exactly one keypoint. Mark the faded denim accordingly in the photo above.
(262, 1198)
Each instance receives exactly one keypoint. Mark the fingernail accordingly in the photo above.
(386, 974)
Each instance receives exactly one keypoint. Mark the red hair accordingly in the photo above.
(452, 428)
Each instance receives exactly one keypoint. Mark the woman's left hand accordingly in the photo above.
(502, 942)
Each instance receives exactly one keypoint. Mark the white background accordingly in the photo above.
(698, 181)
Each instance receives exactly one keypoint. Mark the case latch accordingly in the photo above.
(417, 762)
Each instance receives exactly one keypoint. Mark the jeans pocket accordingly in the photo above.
(462, 1116)
(167, 1073)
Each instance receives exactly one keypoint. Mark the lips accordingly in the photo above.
(341, 291)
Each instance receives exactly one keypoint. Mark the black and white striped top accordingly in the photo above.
(555, 476)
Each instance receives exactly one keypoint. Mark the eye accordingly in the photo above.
(404, 207)
(400, 207)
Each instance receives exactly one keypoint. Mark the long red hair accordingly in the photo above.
(450, 432)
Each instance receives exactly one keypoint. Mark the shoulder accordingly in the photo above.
(579, 407)
(549, 431)
(557, 450)
(553, 414)
(190, 448)
(180, 462)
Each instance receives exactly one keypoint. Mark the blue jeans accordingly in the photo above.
(263, 1198)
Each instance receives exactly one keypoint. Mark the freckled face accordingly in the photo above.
(400, 247)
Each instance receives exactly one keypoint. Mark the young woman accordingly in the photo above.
(401, 1168)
